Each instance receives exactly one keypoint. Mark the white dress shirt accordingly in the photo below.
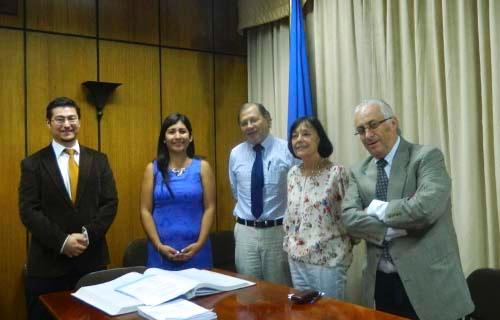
(62, 162)
(377, 208)
(277, 161)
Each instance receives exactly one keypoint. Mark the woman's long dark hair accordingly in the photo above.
(162, 155)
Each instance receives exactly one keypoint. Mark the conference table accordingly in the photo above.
(264, 301)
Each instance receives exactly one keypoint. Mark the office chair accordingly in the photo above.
(223, 250)
(484, 285)
(136, 253)
(102, 276)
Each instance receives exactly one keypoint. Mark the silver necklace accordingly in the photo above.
(178, 172)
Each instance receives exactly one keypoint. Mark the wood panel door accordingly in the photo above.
(129, 20)
(130, 126)
(14, 20)
(230, 94)
(76, 16)
(57, 66)
(226, 36)
(186, 24)
(12, 137)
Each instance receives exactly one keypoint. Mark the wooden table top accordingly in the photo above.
(264, 301)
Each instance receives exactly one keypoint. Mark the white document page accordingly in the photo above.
(216, 280)
(155, 289)
(104, 297)
(177, 309)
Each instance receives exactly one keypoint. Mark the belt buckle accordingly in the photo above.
(265, 223)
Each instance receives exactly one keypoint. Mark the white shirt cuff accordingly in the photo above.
(393, 233)
(86, 235)
(64, 243)
(377, 208)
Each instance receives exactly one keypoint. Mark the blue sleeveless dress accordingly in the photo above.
(178, 218)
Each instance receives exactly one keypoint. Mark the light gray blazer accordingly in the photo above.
(427, 259)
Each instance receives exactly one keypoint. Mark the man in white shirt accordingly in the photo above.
(399, 201)
(67, 201)
(258, 170)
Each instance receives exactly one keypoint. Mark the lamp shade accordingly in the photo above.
(100, 92)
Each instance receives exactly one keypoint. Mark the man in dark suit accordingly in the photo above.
(67, 201)
(399, 201)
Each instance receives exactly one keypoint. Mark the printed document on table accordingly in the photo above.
(179, 309)
(153, 289)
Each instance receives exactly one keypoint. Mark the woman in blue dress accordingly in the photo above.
(178, 201)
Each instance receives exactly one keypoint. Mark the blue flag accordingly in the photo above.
(299, 85)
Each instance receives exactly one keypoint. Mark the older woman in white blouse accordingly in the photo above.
(319, 249)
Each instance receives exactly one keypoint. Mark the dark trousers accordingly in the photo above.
(391, 297)
(35, 287)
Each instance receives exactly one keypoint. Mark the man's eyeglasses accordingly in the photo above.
(62, 120)
(372, 125)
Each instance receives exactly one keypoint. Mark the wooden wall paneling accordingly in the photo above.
(76, 16)
(12, 125)
(226, 36)
(188, 88)
(14, 20)
(129, 20)
(129, 131)
(186, 24)
(57, 66)
(230, 94)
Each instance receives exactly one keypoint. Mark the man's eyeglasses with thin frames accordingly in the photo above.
(372, 125)
(62, 120)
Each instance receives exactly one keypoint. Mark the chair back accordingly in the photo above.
(136, 253)
(102, 276)
(484, 286)
(223, 250)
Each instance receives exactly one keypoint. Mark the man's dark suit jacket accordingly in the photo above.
(50, 216)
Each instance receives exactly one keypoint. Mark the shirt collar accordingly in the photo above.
(59, 148)
(390, 156)
(266, 143)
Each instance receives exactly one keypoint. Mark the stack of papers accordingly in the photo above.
(104, 296)
(155, 287)
(178, 309)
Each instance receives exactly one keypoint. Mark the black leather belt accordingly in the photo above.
(260, 223)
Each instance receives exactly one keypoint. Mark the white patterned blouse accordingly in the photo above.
(314, 232)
